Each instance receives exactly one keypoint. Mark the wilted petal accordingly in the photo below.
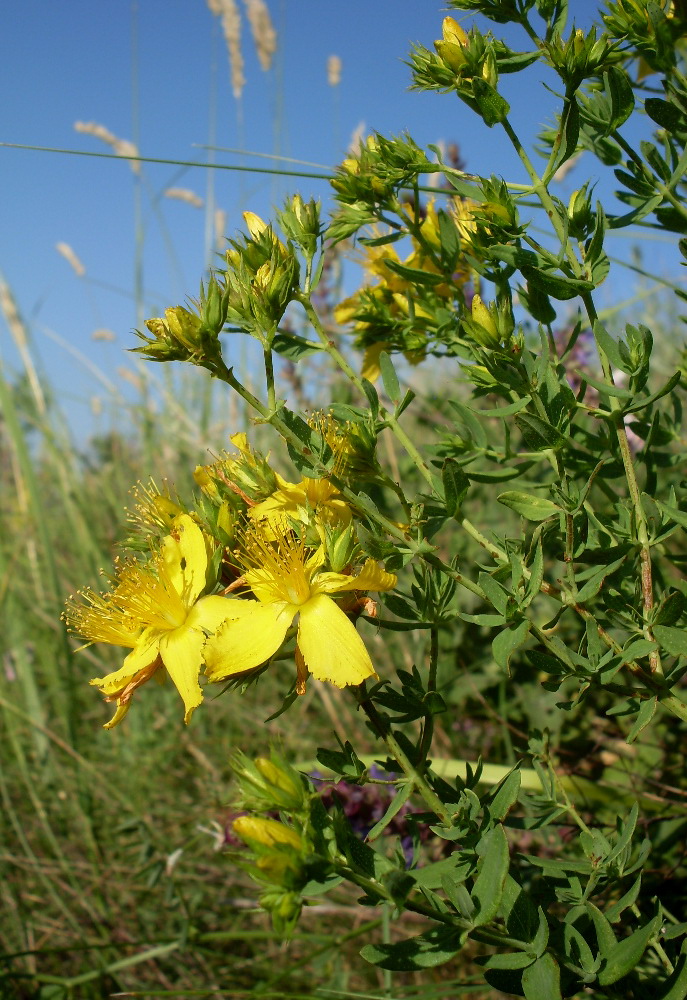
(140, 658)
(330, 646)
(249, 640)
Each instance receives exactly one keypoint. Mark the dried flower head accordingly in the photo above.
(184, 194)
(334, 71)
(122, 147)
(70, 256)
(264, 35)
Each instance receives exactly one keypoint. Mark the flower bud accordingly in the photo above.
(581, 217)
(213, 306)
(301, 223)
(269, 783)
(341, 545)
(259, 832)
(255, 225)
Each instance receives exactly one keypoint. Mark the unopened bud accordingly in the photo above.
(255, 830)
(255, 225)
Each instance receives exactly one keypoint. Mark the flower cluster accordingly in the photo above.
(402, 310)
(223, 588)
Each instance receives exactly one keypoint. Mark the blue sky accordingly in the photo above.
(150, 70)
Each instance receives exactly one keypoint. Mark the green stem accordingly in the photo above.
(382, 728)
(428, 725)
(227, 375)
(269, 378)
(635, 495)
(328, 344)
(541, 191)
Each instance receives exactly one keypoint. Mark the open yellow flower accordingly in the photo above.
(154, 610)
(287, 583)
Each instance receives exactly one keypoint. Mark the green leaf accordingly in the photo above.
(294, 348)
(423, 952)
(494, 592)
(671, 608)
(456, 486)
(604, 387)
(596, 581)
(459, 897)
(619, 89)
(472, 423)
(508, 981)
(389, 378)
(644, 717)
(627, 953)
(542, 980)
(539, 434)
(408, 397)
(504, 796)
(675, 988)
(604, 932)
(413, 274)
(556, 285)
(614, 912)
(507, 411)
(537, 303)
(668, 116)
(528, 506)
(536, 576)
(506, 642)
(519, 912)
(492, 106)
(500, 475)
(668, 387)
(509, 960)
(344, 761)
(673, 640)
(449, 870)
(611, 348)
(679, 516)
(488, 887)
(399, 800)
(569, 130)
(372, 397)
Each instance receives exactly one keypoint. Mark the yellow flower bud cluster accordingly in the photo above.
(261, 278)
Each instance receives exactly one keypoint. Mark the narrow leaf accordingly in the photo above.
(389, 378)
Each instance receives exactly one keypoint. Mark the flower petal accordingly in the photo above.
(140, 658)
(330, 646)
(371, 577)
(209, 613)
(120, 712)
(181, 651)
(249, 640)
(185, 557)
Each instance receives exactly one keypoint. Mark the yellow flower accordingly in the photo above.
(154, 610)
(287, 583)
(314, 500)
